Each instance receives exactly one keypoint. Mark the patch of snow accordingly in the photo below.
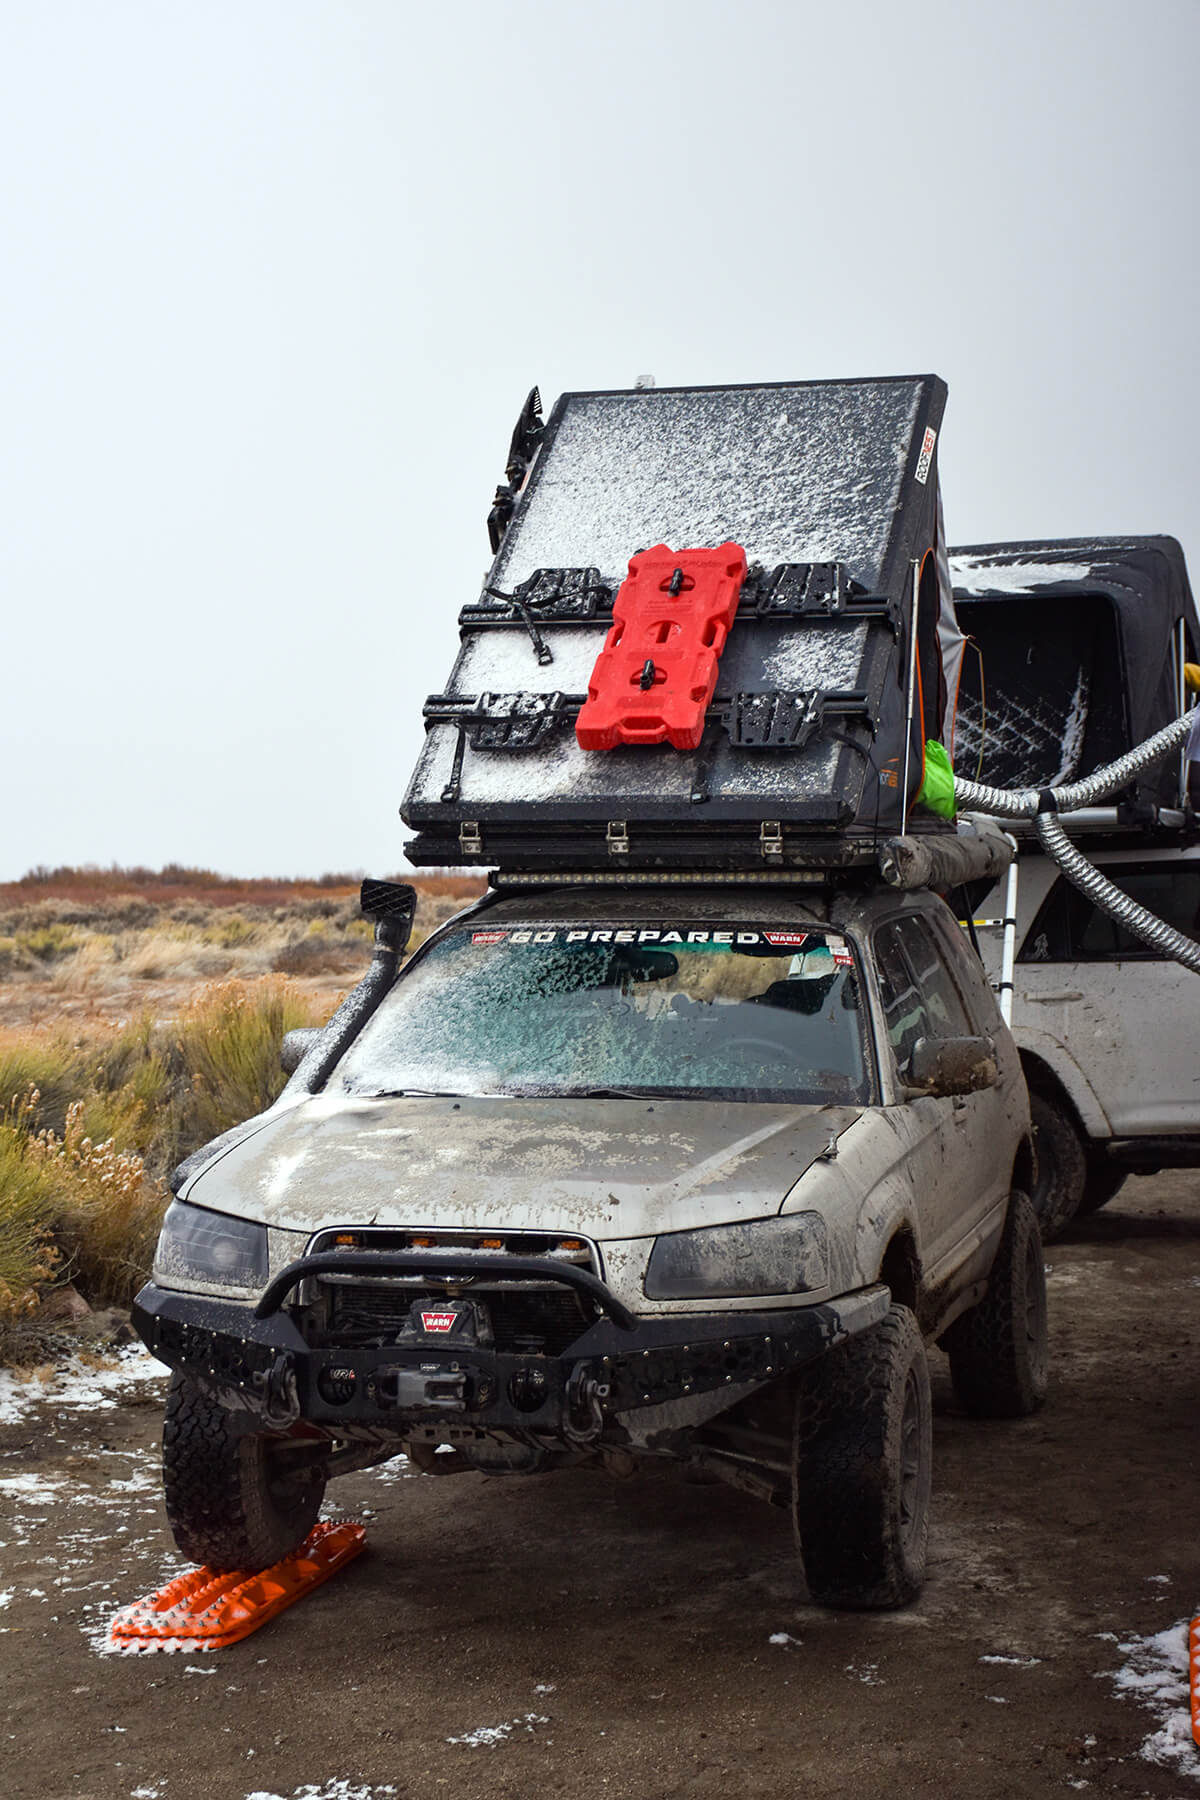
(1155, 1674)
(867, 1673)
(76, 1386)
(982, 575)
(1015, 1662)
(337, 1789)
(41, 1489)
(6, 1595)
(782, 1637)
(486, 1737)
(996, 1699)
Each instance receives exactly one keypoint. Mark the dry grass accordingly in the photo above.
(132, 1030)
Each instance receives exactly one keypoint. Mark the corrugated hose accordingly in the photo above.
(1042, 804)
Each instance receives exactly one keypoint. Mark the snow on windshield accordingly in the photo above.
(741, 1013)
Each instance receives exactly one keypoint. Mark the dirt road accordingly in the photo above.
(570, 1635)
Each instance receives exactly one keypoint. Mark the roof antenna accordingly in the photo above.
(642, 382)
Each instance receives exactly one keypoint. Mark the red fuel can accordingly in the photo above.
(657, 671)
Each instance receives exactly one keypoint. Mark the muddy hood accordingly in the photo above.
(599, 1168)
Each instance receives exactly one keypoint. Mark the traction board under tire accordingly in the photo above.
(206, 1611)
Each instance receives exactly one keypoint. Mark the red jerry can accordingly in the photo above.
(657, 671)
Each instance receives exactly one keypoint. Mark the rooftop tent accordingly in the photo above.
(1079, 654)
(808, 754)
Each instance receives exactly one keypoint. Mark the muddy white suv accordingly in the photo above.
(605, 1176)
(1106, 1026)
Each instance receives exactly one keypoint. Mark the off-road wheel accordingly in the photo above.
(1100, 1184)
(863, 1467)
(232, 1502)
(1061, 1166)
(998, 1349)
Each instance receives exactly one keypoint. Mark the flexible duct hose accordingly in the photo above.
(1110, 780)
(1041, 805)
(1088, 879)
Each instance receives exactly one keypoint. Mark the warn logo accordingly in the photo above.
(438, 1321)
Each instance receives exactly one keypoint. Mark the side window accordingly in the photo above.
(1068, 928)
(927, 960)
(903, 1007)
(919, 996)
(971, 979)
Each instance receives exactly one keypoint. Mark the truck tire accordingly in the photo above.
(1100, 1184)
(1061, 1166)
(998, 1349)
(227, 1503)
(863, 1467)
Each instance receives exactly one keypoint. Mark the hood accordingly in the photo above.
(597, 1168)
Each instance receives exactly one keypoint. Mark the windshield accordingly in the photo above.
(698, 1012)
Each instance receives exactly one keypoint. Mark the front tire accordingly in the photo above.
(998, 1349)
(863, 1468)
(230, 1504)
(1061, 1167)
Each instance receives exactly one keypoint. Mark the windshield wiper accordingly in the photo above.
(413, 1094)
(630, 1093)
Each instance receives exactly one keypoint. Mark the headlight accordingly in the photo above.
(211, 1248)
(767, 1256)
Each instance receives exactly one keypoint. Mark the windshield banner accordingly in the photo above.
(757, 940)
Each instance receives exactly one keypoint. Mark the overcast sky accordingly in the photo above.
(277, 275)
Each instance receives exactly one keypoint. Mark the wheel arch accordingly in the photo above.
(900, 1267)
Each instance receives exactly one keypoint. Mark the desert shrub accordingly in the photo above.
(226, 1044)
(28, 1255)
(104, 1208)
(48, 942)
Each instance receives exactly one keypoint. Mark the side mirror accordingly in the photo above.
(392, 905)
(941, 1067)
(296, 1046)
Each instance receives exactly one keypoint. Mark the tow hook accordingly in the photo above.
(584, 1420)
(278, 1389)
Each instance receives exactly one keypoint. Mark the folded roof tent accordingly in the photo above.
(811, 747)
(1081, 650)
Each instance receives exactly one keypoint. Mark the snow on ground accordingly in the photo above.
(78, 1386)
(486, 1737)
(338, 1789)
(1155, 1673)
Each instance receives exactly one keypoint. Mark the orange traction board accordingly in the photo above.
(205, 1611)
(657, 671)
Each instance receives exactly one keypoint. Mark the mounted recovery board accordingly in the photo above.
(695, 649)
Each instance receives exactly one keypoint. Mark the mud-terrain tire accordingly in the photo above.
(1100, 1185)
(998, 1349)
(226, 1505)
(863, 1466)
(1061, 1166)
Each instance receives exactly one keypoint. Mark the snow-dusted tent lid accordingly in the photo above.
(1080, 643)
(831, 488)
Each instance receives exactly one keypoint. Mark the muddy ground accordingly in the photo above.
(570, 1635)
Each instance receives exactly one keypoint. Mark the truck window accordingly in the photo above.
(1068, 928)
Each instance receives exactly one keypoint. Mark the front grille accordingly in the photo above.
(525, 1320)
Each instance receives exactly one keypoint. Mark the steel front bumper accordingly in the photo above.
(256, 1356)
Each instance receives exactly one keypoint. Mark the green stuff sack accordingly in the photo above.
(937, 789)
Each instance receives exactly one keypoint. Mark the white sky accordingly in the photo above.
(277, 275)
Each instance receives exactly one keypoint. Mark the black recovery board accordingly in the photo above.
(812, 742)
